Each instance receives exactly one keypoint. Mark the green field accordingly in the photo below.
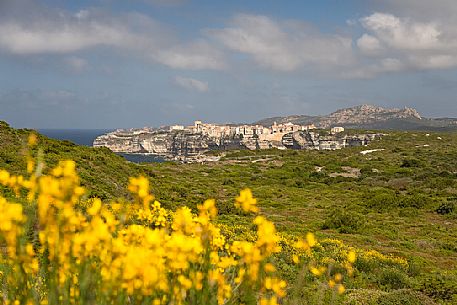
(401, 200)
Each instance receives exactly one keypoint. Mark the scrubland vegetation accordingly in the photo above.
(384, 236)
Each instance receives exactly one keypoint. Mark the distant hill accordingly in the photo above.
(369, 117)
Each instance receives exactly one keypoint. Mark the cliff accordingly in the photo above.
(188, 144)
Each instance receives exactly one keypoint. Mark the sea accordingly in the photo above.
(86, 137)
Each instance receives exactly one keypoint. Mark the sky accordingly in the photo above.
(134, 63)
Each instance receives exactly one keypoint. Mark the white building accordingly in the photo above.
(176, 127)
(336, 129)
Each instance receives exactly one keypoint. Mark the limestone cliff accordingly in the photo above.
(190, 143)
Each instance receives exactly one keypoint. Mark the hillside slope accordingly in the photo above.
(103, 173)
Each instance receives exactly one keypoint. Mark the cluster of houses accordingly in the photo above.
(273, 133)
(186, 142)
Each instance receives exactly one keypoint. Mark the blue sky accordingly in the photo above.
(119, 63)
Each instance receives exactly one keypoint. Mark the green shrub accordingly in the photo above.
(363, 297)
(396, 297)
(413, 201)
(446, 207)
(345, 220)
(405, 297)
(440, 286)
(391, 278)
(411, 163)
(382, 200)
(386, 199)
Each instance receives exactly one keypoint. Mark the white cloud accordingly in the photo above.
(61, 36)
(434, 61)
(388, 43)
(285, 46)
(197, 55)
(59, 32)
(191, 84)
(402, 33)
(369, 44)
(394, 44)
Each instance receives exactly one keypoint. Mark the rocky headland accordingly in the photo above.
(191, 143)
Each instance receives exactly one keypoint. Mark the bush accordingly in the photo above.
(396, 297)
(391, 278)
(405, 297)
(375, 262)
(363, 297)
(440, 286)
(345, 220)
(382, 200)
(413, 201)
(447, 207)
(387, 199)
(411, 163)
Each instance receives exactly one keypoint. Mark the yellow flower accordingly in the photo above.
(4, 177)
(209, 206)
(269, 267)
(95, 208)
(246, 202)
(30, 166)
(317, 271)
(140, 187)
(32, 140)
(311, 239)
(340, 289)
(295, 259)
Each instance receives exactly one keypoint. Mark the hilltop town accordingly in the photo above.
(188, 143)
(327, 132)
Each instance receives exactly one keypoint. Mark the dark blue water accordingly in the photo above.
(86, 137)
(83, 137)
(139, 158)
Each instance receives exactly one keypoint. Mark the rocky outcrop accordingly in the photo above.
(185, 144)
(168, 144)
(312, 140)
